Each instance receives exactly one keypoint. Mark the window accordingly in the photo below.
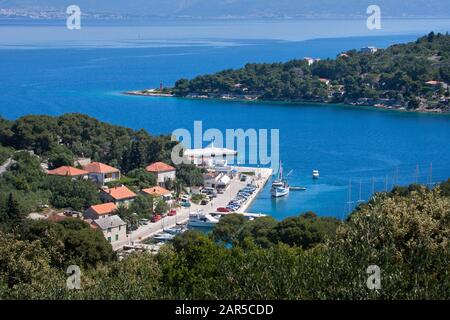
(120, 227)
(117, 237)
(109, 239)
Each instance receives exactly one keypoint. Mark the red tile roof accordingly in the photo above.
(98, 167)
(159, 167)
(156, 191)
(120, 193)
(103, 209)
(67, 171)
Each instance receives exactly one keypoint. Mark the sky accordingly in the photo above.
(243, 8)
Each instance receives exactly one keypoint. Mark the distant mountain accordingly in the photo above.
(241, 8)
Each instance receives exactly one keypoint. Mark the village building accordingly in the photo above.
(100, 211)
(369, 49)
(216, 180)
(118, 195)
(67, 171)
(310, 60)
(114, 229)
(163, 172)
(102, 173)
(158, 192)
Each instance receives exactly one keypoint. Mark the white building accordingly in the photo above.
(114, 229)
(216, 180)
(163, 172)
(310, 60)
(101, 173)
(369, 49)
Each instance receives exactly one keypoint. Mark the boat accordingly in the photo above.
(315, 174)
(164, 237)
(200, 219)
(297, 188)
(176, 230)
(280, 187)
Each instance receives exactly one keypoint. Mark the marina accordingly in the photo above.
(197, 215)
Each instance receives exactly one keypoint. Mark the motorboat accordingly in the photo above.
(315, 174)
(164, 237)
(200, 219)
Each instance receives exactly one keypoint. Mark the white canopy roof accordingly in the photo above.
(225, 180)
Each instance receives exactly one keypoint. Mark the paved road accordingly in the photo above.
(5, 165)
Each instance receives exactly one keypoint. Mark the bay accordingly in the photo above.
(367, 149)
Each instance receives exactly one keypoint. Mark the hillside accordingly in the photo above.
(411, 76)
(240, 8)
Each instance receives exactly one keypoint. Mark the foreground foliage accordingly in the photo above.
(406, 235)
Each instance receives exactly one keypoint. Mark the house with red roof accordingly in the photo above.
(68, 171)
(158, 192)
(102, 173)
(162, 172)
(118, 195)
(100, 211)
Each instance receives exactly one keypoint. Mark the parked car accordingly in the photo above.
(172, 213)
(185, 204)
(243, 178)
(222, 209)
(204, 202)
(156, 218)
(144, 221)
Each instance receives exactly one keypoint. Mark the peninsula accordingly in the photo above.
(412, 77)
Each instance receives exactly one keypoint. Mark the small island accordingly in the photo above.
(411, 77)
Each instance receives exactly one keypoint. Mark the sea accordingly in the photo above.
(47, 69)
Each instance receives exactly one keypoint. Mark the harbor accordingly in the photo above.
(257, 177)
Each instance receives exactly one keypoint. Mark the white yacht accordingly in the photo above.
(200, 219)
(315, 174)
(280, 187)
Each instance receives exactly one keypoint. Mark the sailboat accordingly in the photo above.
(280, 187)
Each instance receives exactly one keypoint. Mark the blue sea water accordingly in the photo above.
(369, 150)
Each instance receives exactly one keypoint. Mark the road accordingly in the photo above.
(5, 165)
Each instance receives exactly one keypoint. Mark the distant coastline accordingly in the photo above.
(156, 93)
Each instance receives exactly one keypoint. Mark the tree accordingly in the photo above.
(161, 207)
(143, 206)
(75, 194)
(143, 178)
(190, 175)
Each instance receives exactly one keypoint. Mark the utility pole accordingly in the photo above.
(350, 202)
(360, 200)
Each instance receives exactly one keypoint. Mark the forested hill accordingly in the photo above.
(62, 139)
(410, 76)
